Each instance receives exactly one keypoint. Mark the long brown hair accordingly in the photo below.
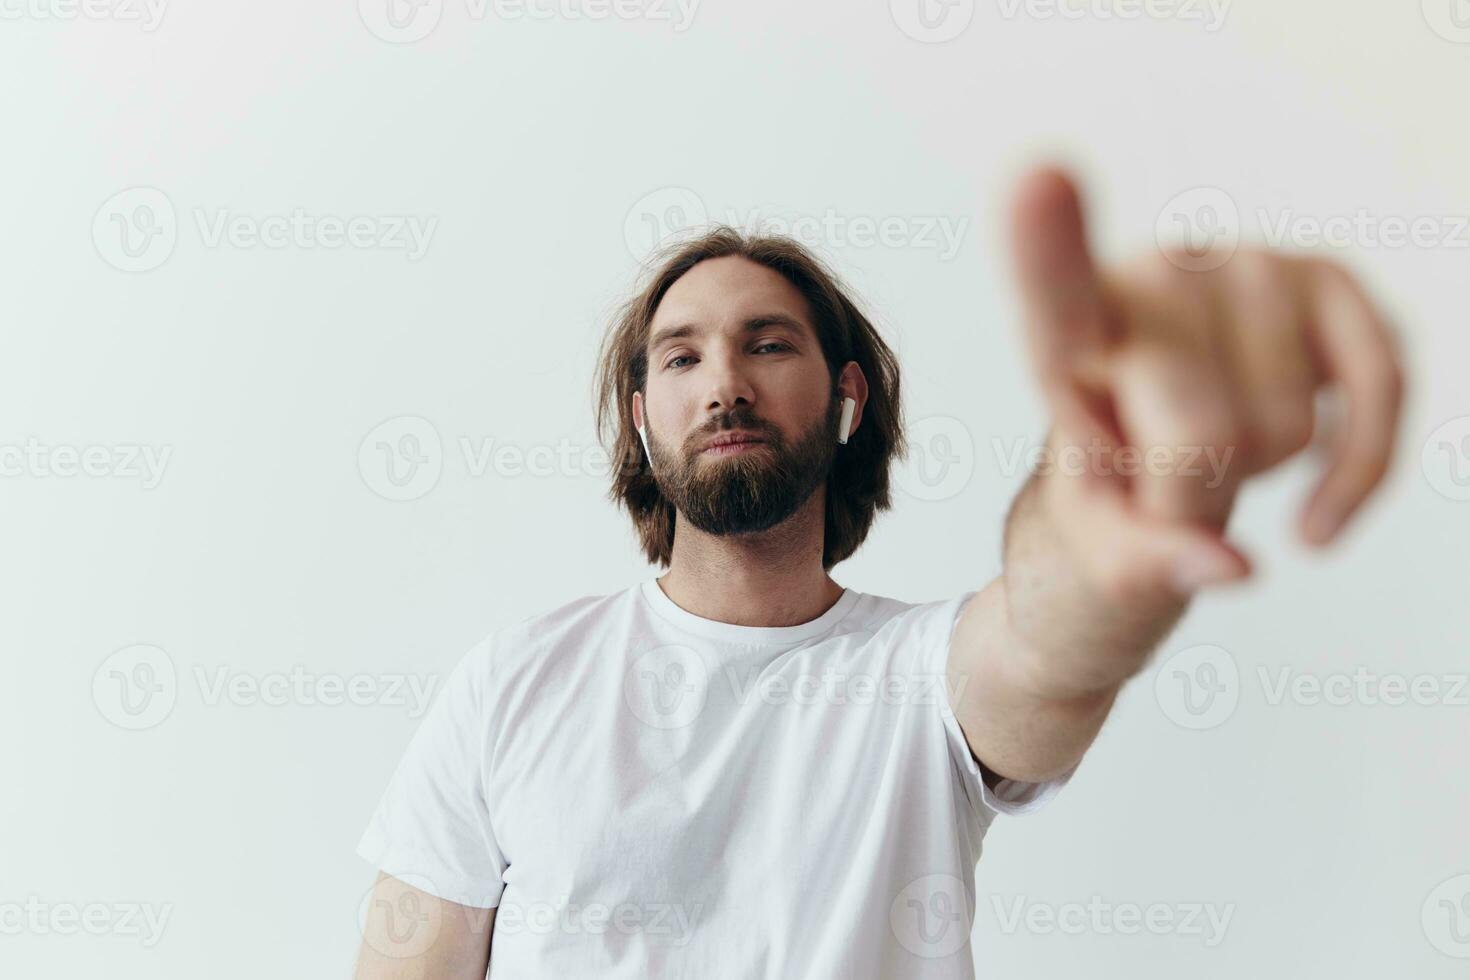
(858, 486)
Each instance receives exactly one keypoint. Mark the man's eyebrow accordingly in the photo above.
(752, 324)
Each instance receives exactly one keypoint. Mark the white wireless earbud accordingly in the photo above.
(848, 405)
(643, 436)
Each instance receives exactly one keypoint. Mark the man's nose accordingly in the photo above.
(729, 387)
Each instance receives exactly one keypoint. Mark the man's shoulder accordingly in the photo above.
(528, 638)
(565, 616)
(873, 611)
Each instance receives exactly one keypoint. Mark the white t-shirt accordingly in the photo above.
(642, 793)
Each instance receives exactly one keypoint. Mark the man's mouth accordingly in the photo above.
(730, 443)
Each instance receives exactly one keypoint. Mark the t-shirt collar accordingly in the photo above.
(713, 629)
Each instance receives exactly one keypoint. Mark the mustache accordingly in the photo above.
(735, 420)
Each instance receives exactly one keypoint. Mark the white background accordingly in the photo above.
(548, 150)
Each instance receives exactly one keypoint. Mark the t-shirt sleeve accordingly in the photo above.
(432, 827)
(1010, 796)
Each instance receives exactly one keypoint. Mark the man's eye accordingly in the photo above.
(673, 362)
(774, 343)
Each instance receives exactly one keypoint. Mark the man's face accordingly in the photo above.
(749, 363)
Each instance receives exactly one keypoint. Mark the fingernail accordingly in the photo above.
(1195, 570)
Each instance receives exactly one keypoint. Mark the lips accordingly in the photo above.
(732, 438)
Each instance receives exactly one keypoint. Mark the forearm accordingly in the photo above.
(1020, 721)
(1074, 635)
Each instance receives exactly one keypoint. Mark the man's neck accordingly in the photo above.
(773, 578)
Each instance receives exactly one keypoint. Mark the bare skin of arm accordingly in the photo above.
(412, 935)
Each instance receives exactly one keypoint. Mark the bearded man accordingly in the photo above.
(741, 768)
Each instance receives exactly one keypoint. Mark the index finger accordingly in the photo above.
(1061, 292)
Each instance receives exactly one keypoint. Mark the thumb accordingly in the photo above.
(1135, 555)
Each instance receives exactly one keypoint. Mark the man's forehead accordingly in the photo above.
(729, 294)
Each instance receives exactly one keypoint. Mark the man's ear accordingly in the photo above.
(851, 383)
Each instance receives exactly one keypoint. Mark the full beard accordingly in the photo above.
(750, 491)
